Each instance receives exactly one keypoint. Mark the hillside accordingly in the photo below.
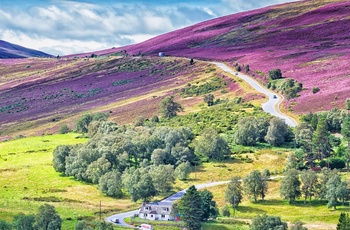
(9, 50)
(308, 40)
(44, 93)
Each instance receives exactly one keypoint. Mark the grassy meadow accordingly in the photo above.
(28, 180)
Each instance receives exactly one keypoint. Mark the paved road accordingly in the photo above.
(170, 199)
(272, 105)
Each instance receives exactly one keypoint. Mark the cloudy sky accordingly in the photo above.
(76, 26)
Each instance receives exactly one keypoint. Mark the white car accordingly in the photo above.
(145, 227)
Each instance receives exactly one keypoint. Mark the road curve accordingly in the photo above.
(272, 105)
(171, 199)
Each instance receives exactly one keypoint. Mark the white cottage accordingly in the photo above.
(156, 211)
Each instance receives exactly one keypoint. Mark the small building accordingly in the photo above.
(156, 211)
(161, 54)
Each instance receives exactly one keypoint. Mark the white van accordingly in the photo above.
(145, 227)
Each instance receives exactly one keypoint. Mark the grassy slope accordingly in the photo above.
(26, 173)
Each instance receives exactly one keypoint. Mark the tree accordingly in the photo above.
(191, 61)
(63, 129)
(82, 225)
(343, 191)
(246, 131)
(265, 222)
(325, 175)
(298, 226)
(344, 222)
(83, 123)
(190, 207)
(104, 226)
(163, 177)
(255, 184)
(347, 104)
(290, 185)
(211, 145)
(275, 74)
(48, 218)
(321, 138)
(24, 222)
(183, 170)
(169, 108)
(247, 69)
(59, 157)
(4, 225)
(277, 132)
(209, 99)
(233, 194)
(309, 184)
(345, 131)
(208, 205)
(225, 211)
(111, 184)
(332, 194)
(145, 187)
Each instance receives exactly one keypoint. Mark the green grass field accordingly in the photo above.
(28, 180)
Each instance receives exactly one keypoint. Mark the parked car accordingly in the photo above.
(145, 227)
(274, 96)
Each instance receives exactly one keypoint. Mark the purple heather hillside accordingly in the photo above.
(308, 40)
(9, 50)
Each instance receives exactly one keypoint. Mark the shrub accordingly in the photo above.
(63, 129)
(347, 106)
(315, 90)
(225, 211)
(275, 74)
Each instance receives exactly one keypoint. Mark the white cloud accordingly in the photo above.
(65, 27)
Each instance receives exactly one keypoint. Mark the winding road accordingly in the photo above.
(271, 106)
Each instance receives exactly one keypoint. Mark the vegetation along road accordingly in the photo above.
(272, 105)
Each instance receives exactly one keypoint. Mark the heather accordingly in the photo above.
(308, 41)
(51, 92)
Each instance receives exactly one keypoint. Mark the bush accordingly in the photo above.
(63, 129)
(315, 90)
(347, 106)
(275, 74)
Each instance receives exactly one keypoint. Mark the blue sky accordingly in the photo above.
(75, 26)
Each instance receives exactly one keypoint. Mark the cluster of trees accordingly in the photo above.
(47, 218)
(194, 207)
(251, 130)
(313, 136)
(254, 186)
(128, 159)
(265, 222)
(325, 185)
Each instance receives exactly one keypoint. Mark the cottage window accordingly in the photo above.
(163, 216)
(151, 216)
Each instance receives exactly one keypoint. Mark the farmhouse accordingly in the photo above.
(156, 211)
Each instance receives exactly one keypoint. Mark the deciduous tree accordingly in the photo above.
(277, 132)
(255, 184)
(265, 222)
(48, 218)
(290, 185)
(309, 184)
(234, 192)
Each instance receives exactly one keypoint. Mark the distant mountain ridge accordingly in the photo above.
(9, 50)
(308, 40)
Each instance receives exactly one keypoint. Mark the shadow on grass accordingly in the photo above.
(248, 209)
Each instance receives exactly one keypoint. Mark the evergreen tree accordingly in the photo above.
(169, 108)
(344, 222)
(209, 99)
(190, 207)
(208, 205)
(290, 185)
(345, 131)
(321, 139)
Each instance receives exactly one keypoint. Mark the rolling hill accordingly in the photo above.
(308, 40)
(9, 50)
